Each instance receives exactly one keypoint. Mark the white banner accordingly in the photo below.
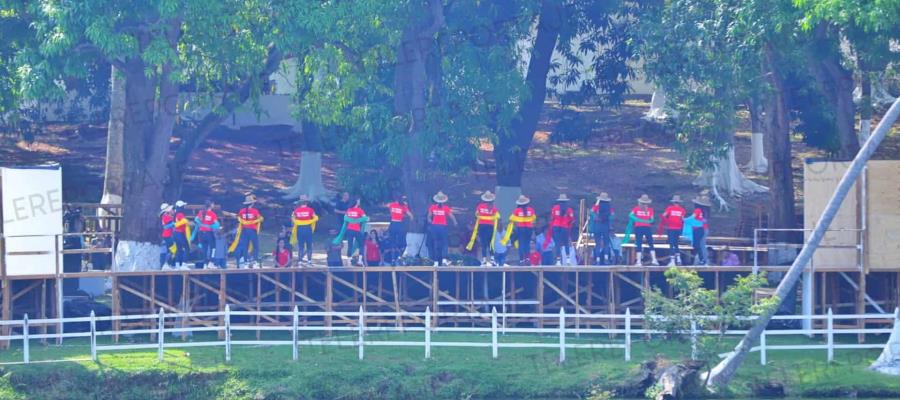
(32, 218)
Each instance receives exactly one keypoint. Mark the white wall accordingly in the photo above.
(32, 217)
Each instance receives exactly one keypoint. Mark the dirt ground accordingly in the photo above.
(625, 157)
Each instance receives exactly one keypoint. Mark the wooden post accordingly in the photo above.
(829, 331)
(540, 298)
(116, 306)
(258, 300)
(295, 350)
(329, 298)
(227, 333)
(435, 294)
(161, 338)
(427, 332)
(93, 336)
(362, 329)
(494, 352)
(628, 334)
(861, 306)
(562, 335)
(223, 282)
(185, 301)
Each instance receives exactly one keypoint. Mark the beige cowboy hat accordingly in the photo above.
(165, 207)
(604, 197)
(676, 199)
(180, 203)
(562, 197)
(644, 199)
(488, 196)
(522, 200)
(249, 199)
(303, 198)
(440, 197)
(703, 201)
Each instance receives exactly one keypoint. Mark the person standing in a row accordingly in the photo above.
(601, 227)
(561, 218)
(355, 232)
(399, 211)
(486, 218)
(303, 221)
(438, 214)
(246, 244)
(520, 228)
(673, 223)
(642, 218)
(702, 206)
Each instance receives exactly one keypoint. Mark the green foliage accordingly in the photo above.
(692, 303)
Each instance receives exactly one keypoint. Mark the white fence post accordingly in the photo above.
(830, 334)
(693, 340)
(762, 348)
(362, 327)
(494, 332)
(295, 353)
(562, 335)
(628, 334)
(25, 349)
(427, 332)
(227, 333)
(503, 304)
(93, 336)
(160, 325)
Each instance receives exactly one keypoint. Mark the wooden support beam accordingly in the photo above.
(435, 290)
(329, 299)
(26, 290)
(373, 296)
(296, 294)
(223, 283)
(563, 295)
(116, 306)
(861, 305)
(540, 297)
(235, 303)
(396, 299)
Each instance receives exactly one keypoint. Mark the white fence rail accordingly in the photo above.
(569, 325)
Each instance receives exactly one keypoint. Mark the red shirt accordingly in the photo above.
(304, 213)
(485, 210)
(673, 217)
(398, 211)
(282, 258)
(535, 258)
(373, 254)
(439, 214)
(561, 218)
(250, 214)
(698, 215)
(207, 218)
(183, 228)
(165, 220)
(523, 212)
(642, 214)
(355, 212)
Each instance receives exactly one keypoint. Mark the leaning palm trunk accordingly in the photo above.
(722, 373)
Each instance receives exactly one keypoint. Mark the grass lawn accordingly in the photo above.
(257, 372)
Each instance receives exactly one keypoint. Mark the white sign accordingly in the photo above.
(32, 218)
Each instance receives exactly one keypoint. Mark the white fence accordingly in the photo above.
(569, 325)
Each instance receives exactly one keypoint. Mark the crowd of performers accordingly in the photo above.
(203, 234)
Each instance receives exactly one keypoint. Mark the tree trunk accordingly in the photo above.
(151, 107)
(511, 149)
(114, 171)
(865, 108)
(411, 98)
(782, 214)
(836, 84)
(309, 178)
(721, 375)
(726, 177)
(758, 162)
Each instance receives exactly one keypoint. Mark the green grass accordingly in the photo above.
(396, 372)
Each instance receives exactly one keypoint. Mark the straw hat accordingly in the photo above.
(180, 204)
(488, 196)
(165, 207)
(249, 199)
(562, 197)
(703, 201)
(303, 198)
(440, 197)
(522, 200)
(644, 199)
(604, 197)
(676, 199)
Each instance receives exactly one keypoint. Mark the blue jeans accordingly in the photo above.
(397, 237)
(523, 235)
(304, 242)
(248, 237)
(699, 244)
(602, 245)
(439, 242)
(673, 235)
(485, 234)
(165, 255)
(641, 233)
(208, 243)
(561, 238)
(354, 240)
